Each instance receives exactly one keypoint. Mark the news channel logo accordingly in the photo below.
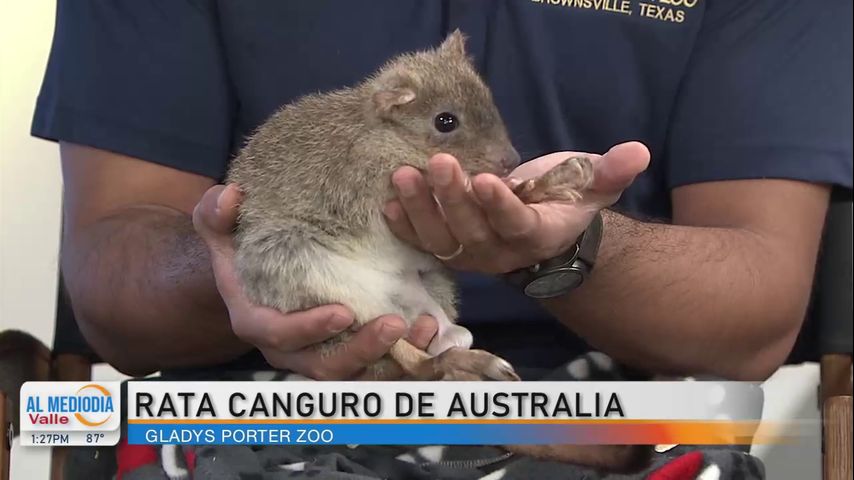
(70, 413)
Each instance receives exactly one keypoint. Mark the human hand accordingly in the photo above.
(287, 339)
(497, 232)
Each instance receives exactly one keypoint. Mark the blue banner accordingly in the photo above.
(348, 434)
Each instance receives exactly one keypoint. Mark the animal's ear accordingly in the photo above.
(454, 44)
(395, 89)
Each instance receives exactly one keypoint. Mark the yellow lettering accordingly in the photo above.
(668, 14)
(623, 7)
(651, 11)
(680, 3)
(665, 14)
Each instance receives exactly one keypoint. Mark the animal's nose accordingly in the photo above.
(511, 159)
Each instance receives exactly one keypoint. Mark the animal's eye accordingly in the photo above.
(446, 122)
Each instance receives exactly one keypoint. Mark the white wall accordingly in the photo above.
(30, 188)
(30, 183)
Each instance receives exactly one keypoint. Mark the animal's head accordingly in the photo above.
(435, 101)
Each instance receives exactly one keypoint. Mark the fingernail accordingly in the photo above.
(338, 323)
(442, 175)
(391, 332)
(485, 193)
(406, 188)
(220, 199)
(390, 211)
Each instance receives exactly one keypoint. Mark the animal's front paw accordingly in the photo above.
(565, 182)
(473, 365)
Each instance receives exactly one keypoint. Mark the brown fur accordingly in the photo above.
(325, 161)
(315, 177)
(317, 173)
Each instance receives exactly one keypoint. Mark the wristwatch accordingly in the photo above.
(563, 273)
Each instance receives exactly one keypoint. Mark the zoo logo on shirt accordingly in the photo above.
(674, 11)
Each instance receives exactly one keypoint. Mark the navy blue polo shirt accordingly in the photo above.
(718, 90)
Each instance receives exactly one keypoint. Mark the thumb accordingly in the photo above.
(216, 213)
(616, 170)
(214, 219)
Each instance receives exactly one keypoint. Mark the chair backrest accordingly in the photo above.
(828, 326)
(834, 301)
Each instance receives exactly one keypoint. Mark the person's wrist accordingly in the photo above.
(565, 271)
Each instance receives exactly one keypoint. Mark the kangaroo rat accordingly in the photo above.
(316, 175)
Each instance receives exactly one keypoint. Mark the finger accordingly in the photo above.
(511, 219)
(216, 213)
(423, 213)
(365, 348)
(617, 168)
(421, 332)
(295, 331)
(399, 224)
(464, 217)
(214, 219)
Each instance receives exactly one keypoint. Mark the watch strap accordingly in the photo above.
(584, 250)
(588, 244)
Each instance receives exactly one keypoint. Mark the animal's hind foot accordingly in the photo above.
(472, 365)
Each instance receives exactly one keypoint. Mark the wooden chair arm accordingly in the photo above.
(837, 432)
(836, 416)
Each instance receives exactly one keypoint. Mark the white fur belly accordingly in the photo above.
(376, 278)
(381, 275)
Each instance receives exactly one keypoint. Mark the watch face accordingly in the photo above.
(554, 284)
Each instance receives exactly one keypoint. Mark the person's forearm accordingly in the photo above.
(142, 290)
(688, 300)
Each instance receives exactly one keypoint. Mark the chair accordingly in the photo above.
(825, 338)
(71, 359)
